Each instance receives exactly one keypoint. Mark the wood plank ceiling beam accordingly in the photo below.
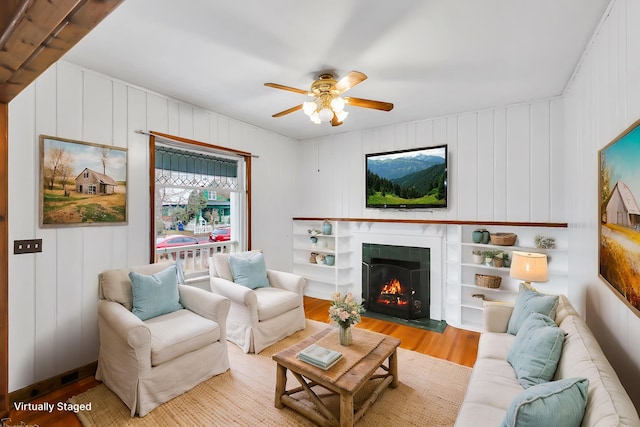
(39, 33)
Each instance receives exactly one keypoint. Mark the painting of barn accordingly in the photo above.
(619, 186)
(622, 207)
(92, 182)
(81, 183)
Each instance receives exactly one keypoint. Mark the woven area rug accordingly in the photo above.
(430, 393)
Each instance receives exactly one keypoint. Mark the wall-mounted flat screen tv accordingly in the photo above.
(407, 179)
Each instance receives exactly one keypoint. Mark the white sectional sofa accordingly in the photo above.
(494, 384)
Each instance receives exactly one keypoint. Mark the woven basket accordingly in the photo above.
(503, 239)
(487, 281)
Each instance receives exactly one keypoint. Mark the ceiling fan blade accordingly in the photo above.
(290, 110)
(349, 81)
(290, 89)
(368, 103)
(335, 122)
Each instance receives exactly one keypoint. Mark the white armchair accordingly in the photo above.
(148, 362)
(263, 316)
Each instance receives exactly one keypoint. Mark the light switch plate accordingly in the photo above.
(27, 246)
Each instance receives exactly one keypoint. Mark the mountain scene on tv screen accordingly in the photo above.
(407, 180)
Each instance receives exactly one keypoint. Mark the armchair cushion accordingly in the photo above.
(219, 264)
(249, 271)
(156, 294)
(273, 302)
(179, 332)
(115, 285)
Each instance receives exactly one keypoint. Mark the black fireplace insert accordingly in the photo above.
(395, 280)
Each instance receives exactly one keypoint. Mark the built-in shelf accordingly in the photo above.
(338, 244)
(461, 269)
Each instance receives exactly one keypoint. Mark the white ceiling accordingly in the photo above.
(428, 57)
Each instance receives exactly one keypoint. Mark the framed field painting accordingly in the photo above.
(620, 215)
(81, 183)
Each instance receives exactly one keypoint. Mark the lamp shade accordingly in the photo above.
(530, 267)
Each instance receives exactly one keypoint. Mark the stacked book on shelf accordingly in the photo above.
(319, 356)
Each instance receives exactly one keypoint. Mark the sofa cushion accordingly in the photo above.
(156, 294)
(180, 332)
(609, 404)
(495, 345)
(564, 309)
(273, 302)
(530, 301)
(249, 271)
(536, 350)
(557, 403)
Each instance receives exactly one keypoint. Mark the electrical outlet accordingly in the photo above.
(27, 246)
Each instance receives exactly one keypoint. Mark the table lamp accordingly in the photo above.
(530, 267)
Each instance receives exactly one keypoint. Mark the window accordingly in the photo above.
(199, 189)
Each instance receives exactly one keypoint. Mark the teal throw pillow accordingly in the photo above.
(536, 350)
(249, 271)
(555, 404)
(155, 295)
(531, 301)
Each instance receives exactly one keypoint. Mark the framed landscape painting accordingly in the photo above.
(620, 215)
(81, 183)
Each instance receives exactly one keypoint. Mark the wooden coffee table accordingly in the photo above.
(345, 386)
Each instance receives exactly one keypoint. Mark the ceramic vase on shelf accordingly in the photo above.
(314, 241)
(485, 237)
(345, 335)
(326, 227)
(329, 259)
(476, 235)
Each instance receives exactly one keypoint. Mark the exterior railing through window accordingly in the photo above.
(194, 259)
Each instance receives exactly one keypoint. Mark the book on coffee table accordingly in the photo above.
(321, 357)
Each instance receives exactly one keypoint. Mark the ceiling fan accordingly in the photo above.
(328, 105)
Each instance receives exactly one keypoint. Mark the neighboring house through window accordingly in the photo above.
(197, 189)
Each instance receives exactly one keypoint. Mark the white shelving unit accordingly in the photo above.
(321, 277)
(462, 292)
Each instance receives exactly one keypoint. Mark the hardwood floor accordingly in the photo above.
(456, 345)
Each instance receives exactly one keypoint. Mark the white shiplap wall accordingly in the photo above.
(601, 101)
(505, 163)
(53, 295)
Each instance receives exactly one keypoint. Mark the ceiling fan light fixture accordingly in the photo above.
(337, 104)
(342, 115)
(315, 118)
(325, 115)
(327, 105)
(309, 107)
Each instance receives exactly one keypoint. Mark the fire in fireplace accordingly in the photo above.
(392, 293)
(395, 280)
